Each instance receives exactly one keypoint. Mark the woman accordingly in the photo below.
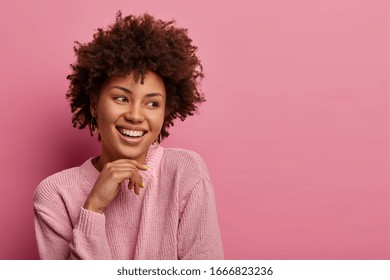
(136, 200)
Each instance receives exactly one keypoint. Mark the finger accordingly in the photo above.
(138, 184)
(137, 178)
(130, 172)
(130, 185)
(136, 189)
(119, 175)
(132, 162)
(134, 186)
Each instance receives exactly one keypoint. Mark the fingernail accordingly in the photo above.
(146, 167)
(142, 185)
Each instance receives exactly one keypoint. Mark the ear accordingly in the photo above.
(93, 106)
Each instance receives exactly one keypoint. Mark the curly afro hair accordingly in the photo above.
(137, 44)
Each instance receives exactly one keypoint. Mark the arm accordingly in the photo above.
(61, 237)
(58, 239)
(198, 234)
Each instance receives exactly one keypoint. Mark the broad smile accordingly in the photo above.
(131, 135)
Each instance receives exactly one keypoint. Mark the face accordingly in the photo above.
(130, 116)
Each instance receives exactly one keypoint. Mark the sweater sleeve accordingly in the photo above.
(198, 234)
(58, 238)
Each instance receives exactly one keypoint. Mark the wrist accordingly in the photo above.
(90, 206)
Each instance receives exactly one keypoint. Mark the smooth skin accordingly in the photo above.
(125, 103)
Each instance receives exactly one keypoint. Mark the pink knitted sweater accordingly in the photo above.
(174, 217)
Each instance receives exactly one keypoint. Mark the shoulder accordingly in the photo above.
(183, 156)
(189, 174)
(66, 187)
(55, 182)
(61, 195)
(185, 163)
(68, 180)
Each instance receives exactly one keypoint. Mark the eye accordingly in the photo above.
(152, 104)
(121, 98)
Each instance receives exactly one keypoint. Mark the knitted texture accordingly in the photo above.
(174, 217)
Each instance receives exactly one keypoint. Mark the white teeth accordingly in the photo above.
(132, 133)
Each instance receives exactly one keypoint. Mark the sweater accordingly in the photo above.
(174, 217)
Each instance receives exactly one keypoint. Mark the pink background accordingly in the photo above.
(294, 130)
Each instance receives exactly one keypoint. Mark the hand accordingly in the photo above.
(108, 183)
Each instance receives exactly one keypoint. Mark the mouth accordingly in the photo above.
(131, 133)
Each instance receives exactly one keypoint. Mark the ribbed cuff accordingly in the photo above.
(91, 223)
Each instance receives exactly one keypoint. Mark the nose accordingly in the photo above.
(134, 114)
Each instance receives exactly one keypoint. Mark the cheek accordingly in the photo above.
(106, 117)
(155, 120)
(161, 118)
(158, 120)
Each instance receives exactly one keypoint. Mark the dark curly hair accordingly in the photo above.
(137, 44)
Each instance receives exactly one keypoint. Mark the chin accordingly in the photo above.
(134, 154)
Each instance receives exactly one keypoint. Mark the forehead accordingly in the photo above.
(152, 83)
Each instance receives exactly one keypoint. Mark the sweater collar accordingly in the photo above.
(155, 153)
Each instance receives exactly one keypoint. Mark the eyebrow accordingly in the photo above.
(152, 94)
